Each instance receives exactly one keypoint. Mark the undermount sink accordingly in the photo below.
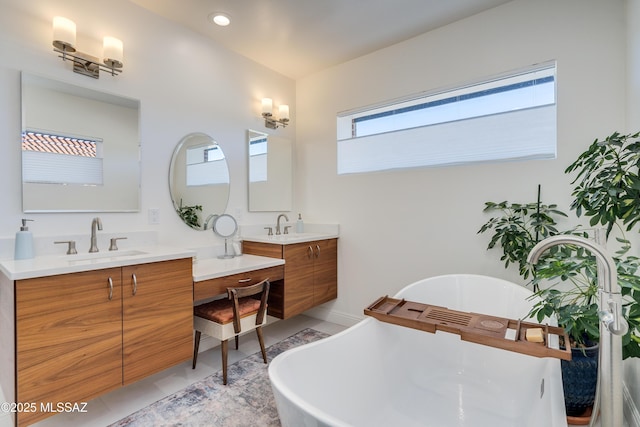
(103, 255)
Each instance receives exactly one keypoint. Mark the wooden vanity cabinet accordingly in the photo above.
(81, 335)
(310, 274)
(157, 317)
(68, 339)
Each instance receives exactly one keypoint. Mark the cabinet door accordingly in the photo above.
(298, 278)
(157, 317)
(325, 273)
(68, 338)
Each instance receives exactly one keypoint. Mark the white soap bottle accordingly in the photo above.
(299, 224)
(24, 242)
(237, 244)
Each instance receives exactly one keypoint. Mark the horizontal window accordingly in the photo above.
(505, 118)
(61, 159)
(206, 165)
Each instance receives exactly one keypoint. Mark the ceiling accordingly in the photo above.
(299, 37)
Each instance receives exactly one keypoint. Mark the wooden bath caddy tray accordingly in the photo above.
(473, 327)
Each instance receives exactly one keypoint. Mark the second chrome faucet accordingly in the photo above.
(96, 223)
(278, 232)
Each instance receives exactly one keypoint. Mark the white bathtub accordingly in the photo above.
(379, 374)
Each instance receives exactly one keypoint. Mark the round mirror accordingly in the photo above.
(199, 180)
(225, 226)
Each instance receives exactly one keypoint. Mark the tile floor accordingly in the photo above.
(122, 402)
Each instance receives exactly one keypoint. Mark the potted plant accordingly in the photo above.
(189, 215)
(564, 281)
(608, 192)
(518, 228)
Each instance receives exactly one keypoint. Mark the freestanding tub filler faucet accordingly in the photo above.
(97, 222)
(612, 326)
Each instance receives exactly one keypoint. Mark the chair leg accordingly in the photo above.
(261, 340)
(196, 346)
(225, 350)
(237, 341)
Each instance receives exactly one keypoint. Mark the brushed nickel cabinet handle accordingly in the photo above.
(244, 280)
(318, 253)
(135, 283)
(310, 252)
(110, 289)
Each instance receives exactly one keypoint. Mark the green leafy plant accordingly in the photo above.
(607, 190)
(570, 293)
(517, 228)
(189, 215)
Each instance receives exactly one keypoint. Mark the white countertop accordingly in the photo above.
(212, 268)
(50, 265)
(288, 239)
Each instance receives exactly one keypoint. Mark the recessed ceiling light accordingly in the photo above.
(221, 19)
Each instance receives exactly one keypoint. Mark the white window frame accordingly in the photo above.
(502, 129)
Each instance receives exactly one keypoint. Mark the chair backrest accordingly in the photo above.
(248, 291)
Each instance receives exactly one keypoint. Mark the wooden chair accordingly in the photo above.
(229, 317)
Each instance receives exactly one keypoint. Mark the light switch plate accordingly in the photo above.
(154, 216)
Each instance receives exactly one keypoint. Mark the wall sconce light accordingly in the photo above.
(64, 43)
(273, 122)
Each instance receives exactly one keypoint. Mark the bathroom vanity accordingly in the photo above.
(76, 328)
(310, 270)
(212, 276)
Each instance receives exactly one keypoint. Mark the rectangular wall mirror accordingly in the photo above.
(270, 172)
(80, 149)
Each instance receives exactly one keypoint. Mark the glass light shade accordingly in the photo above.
(267, 106)
(64, 34)
(112, 52)
(283, 112)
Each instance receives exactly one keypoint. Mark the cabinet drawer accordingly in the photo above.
(212, 287)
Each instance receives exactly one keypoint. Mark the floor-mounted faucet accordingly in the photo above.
(97, 222)
(612, 326)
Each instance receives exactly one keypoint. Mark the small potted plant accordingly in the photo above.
(189, 215)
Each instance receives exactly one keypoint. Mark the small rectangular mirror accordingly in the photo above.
(270, 172)
(80, 149)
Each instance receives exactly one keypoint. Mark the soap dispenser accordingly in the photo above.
(299, 224)
(24, 242)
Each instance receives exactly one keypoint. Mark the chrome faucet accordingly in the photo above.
(278, 223)
(612, 325)
(96, 223)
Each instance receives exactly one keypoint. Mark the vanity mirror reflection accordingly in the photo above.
(80, 149)
(270, 172)
(225, 226)
(199, 180)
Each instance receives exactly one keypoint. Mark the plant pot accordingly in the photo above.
(579, 379)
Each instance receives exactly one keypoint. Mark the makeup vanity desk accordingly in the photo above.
(212, 276)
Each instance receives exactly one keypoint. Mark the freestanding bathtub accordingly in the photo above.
(380, 374)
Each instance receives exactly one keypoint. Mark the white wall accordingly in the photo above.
(185, 82)
(398, 227)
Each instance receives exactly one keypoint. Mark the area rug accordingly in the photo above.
(247, 400)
